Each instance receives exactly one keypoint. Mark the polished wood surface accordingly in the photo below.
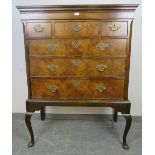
(77, 67)
(87, 47)
(63, 29)
(46, 32)
(78, 55)
(122, 31)
(83, 15)
(113, 11)
(85, 89)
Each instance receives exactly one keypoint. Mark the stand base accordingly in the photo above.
(33, 105)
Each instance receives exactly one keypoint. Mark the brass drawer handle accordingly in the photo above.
(53, 88)
(75, 44)
(76, 28)
(102, 46)
(76, 62)
(101, 67)
(38, 28)
(100, 88)
(114, 27)
(76, 83)
(52, 47)
(52, 67)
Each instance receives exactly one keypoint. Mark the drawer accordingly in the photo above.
(82, 47)
(71, 29)
(77, 89)
(114, 28)
(77, 67)
(39, 29)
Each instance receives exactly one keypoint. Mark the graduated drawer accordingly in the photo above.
(77, 89)
(77, 67)
(71, 29)
(75, 47)
(114, 29)
(39, 29)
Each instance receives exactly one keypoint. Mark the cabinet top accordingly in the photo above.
(99, 7)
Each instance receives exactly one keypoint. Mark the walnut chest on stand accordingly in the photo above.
(78, 55)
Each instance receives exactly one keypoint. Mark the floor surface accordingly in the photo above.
(96, 136)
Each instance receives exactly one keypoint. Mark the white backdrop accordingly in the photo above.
(18, 58)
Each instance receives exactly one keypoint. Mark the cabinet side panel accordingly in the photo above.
(27, 59)
(127, 63)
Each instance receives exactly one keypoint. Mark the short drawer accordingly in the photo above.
(71, 29)
(77, 89)
(114, 28)
(78, 47)
(39, 29)
(77, 67)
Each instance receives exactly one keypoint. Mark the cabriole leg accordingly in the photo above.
(128, 119)
(28, 124)
(42, 113)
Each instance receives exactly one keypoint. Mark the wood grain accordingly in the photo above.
(117, 47)
(77, 67)
(46, 29)
(122, 31)
(66, 29)
(86, 89)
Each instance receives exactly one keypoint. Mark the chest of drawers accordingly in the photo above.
(78, 55)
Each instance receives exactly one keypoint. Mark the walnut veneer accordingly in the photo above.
(78, 55)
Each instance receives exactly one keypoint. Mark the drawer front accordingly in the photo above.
(77, 89)
(70, 29)
(77, 67)
(114, 28)
(82, 47)
(39, 29)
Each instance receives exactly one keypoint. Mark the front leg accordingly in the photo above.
(28, 124)
(128, 119)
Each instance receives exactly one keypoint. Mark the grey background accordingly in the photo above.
(18, 66)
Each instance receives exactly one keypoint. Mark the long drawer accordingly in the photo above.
(83, 47)
(77, 67)
(77, 89)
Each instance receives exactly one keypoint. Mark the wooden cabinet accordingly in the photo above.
(78, 55)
